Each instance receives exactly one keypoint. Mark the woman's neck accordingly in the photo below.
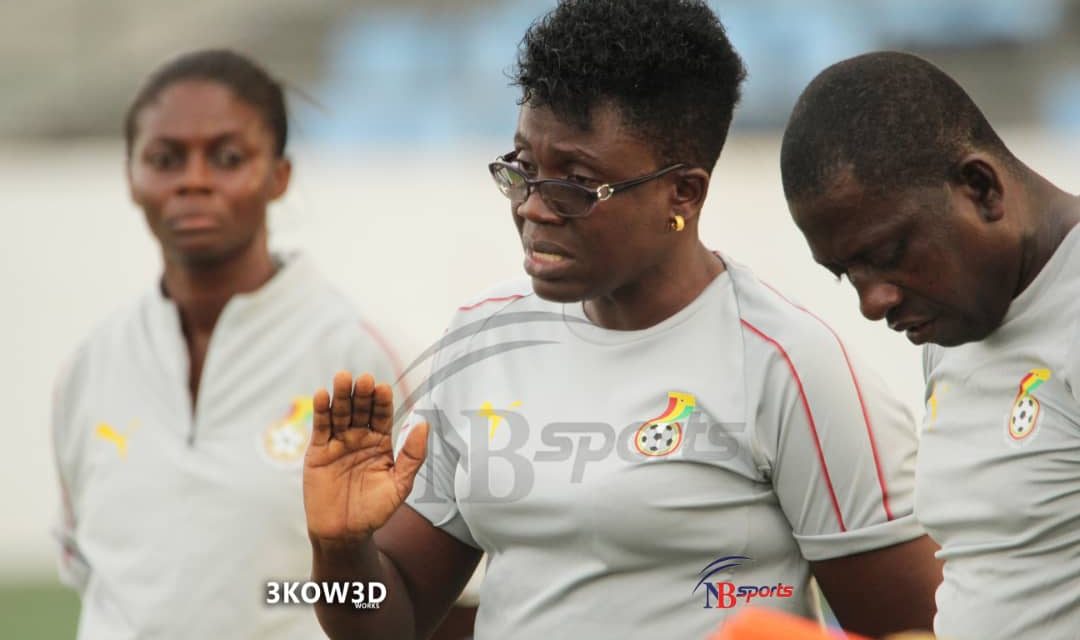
(201, 291)
(660, 293)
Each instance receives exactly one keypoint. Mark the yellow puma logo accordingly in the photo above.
(107, 433)
(932, 403)
(488, 411)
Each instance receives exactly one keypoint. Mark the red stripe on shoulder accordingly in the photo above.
(809, 417)
(862, 402)
(470, 307)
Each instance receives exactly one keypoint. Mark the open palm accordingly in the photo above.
(352, 484)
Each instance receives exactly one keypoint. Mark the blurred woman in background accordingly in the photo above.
(180, 424)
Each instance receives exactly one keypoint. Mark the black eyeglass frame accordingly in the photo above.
(599, 194)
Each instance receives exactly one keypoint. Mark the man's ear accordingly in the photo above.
(979, 177)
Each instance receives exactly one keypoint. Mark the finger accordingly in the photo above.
(410, 458)
(363, 392)
(341, 406)
(382, 409)
(320, 420)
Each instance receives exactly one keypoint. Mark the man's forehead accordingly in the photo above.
(847, 219)
(839, 202)
(846, 202)
(838, 185)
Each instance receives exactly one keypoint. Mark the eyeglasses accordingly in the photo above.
(565, 198)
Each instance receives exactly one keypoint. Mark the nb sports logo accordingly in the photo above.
(726, 594)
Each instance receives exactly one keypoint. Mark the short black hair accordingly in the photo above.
(666, 66)
(249, 81)
(893, 119)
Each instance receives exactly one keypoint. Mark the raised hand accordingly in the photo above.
(352, 484)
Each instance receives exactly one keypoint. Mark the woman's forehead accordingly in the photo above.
(198, 109)
(606, 138)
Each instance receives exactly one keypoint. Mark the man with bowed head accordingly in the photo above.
(899, 183)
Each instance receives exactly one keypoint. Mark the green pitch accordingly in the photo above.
(38, 610)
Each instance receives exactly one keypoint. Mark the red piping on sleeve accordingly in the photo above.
(809, 418)
(862, 403)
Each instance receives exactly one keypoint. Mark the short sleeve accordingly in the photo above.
(839, 448)
(434, 495)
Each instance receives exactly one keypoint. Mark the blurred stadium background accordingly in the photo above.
(397, 107)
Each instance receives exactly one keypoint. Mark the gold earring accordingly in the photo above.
(677, 223)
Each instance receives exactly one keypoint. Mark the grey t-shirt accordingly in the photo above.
(999, 466)
(634, 483)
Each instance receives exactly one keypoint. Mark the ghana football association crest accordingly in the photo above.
(285, 441)
(663, 434)
(1025, 410)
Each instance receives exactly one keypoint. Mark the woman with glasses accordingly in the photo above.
(181, 423)
(642, 436)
